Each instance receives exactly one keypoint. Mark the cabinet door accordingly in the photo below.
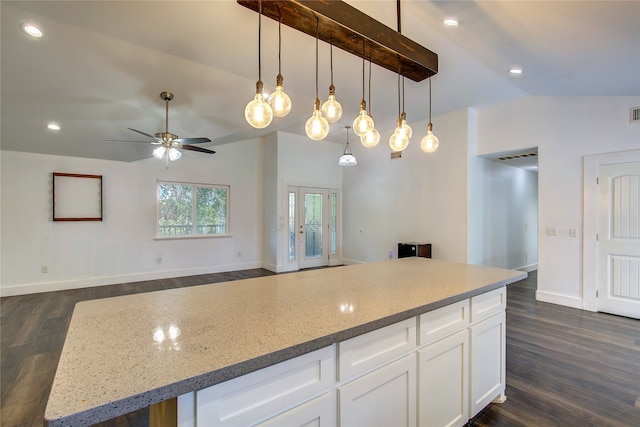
(385, 397)
(443, 386)
(319, 412)
(487, 362)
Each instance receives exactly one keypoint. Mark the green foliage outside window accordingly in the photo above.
(192, 209)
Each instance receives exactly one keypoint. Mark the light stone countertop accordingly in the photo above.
(114, 360)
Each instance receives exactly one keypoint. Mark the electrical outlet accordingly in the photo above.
(239, 254)
(44, 269)
(390, 254)
(159, 260)
(572, 232)
(552, 231)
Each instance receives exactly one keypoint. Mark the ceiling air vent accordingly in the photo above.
(518, 156)
(634, 116)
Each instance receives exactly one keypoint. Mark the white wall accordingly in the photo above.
(503, 211)
(418, 197)
(564, 130)
(301, 162)
(122, 248)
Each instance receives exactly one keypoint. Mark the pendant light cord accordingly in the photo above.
(370, 86)
(403, 92)
(331, 58)
(317, 35)
(259, 39)
(398, 94)
(363, 54)
(429, 99)
(279, 42)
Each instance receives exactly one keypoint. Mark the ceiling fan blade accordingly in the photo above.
(125, 140)
(192, 140)
(199, 149)
(143, 133)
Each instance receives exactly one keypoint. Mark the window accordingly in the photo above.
(192, 209)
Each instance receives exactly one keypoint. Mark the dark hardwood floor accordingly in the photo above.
(565, 367)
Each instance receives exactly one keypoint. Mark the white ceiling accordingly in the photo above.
(100, 66)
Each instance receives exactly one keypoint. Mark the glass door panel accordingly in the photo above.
(314, 238)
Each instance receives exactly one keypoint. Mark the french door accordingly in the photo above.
(313, 231)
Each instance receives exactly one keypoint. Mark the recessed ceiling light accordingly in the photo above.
(515, 70)
(53, 126)
(450, 22)
(32, 30)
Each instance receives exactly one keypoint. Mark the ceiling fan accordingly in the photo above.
(169, 143)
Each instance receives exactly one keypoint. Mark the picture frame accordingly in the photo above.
(76, 197)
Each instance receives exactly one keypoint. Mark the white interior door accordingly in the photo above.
(618, 247)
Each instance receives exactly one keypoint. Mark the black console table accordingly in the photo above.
(408, 249)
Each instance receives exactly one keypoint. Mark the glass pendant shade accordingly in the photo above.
(317, 127)
(430, 142)
(279, 101)
(174, 154)
(331, 109)
(398, 140)
(363, 123)
(258, 112)
(371, 138)
(158, 153)
(347, 160)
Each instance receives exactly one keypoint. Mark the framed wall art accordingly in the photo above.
(77, 197)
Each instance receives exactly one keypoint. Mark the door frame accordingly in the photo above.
(590, 220)
(294, 265)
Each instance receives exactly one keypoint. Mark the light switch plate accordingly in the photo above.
(552, 231)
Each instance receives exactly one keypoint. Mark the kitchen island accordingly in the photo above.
(125, 353)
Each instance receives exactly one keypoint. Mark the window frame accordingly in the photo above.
(196, 186)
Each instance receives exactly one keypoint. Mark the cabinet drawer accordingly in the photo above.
(488, 304)
(375, 348)
(443, 321)
(320, 412)
(252, 397)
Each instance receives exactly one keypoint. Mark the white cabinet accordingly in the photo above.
(487, 362)
(439, 369)
(251, 398)
(319, 412)
(384, 397)
(443, 382)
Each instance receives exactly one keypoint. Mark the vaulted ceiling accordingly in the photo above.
(100, 66)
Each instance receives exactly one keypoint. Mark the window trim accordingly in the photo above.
(195, 185)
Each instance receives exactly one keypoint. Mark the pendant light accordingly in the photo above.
(258, 112)
(317, 127)
(363, 123)
(279, 101)
(399, 139)
(430, 142)
(331, 109)
(347, 159)
(371, 138)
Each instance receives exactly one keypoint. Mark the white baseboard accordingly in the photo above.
(32, 288)
(553, 298)
(347, 261)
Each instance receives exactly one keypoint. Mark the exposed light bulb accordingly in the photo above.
(174, 154)
(279, 101)
(370, 139)
(363, 123)
(430, 142)
(398, 140)
(158, 153)
(331, 109)
(258, 112)
(404, 127)
(317, 127)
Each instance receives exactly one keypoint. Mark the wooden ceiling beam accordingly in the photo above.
(345, 27)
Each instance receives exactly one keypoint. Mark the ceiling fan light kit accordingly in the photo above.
(344, 26)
